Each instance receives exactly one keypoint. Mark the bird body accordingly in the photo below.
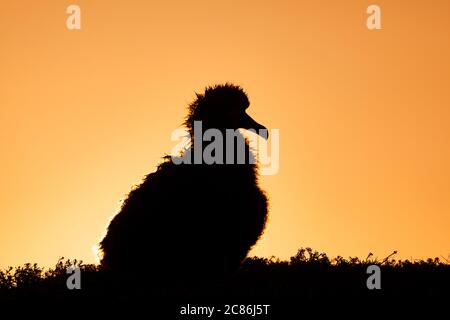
(191, 221)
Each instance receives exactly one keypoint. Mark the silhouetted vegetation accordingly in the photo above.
(308, 276)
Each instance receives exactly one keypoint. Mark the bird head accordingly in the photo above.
(223, 107)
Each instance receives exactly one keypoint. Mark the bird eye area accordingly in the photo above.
(220, 106)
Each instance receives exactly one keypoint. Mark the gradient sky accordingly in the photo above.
(364, 117)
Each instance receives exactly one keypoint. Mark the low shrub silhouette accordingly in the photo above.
(308, 275)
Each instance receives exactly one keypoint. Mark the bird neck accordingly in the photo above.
(224, 146)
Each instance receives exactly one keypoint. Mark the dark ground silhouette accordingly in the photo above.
(198, 220)
(308, 280)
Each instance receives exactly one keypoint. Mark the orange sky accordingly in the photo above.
(364, 117)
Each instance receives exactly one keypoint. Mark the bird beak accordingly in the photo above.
(249, 124)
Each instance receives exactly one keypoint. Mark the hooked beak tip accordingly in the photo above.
(259, 129)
